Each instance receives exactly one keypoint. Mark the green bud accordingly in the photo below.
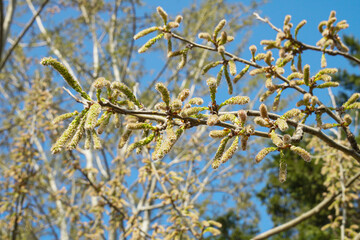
(162, 14)
(241, 74)
(282, 124)
(351, 100)
(282, 168)
(328, 84)
(239, 100)
(68, 133)
(103, 122)
(77, 136)
(212, 120)
(149, 43)
(302, 153)
(140, 125)
(127, 92)
(219, 27)
(291, 113)
(219, 133)
(96, 140)
(300, 25)
(196, 101)
(230, 152)
(295, 75)
(92, 115)
(261, 122)
(176, 105)
(183, 94)
(306, 74)
(242, 115)
(262, 154)
(210, 66)
(124, 138)
(228, 80)
(276, 139)
(219, 76)
(347, 119)
(145, 32)
(191, 111)
(141, 143)
(64, 117)
(257, 71)
(87, 144)
(164, 92)
(211, 82)
(205, 35)
(64, 72)
(220, 152)
(232, 67)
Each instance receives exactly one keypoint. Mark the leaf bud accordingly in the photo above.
(300, 25)
(295, 75)
(140, 125)
(101, 82)
(172, 25)
(287, 19)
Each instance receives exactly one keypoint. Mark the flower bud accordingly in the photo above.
(145, 32)
(212, 120)
(164, 92)
(240, 100)
(262, 154)
(302, 153)
(219, 133)
(263, 111)
(92, 115)
(242, 116)
(183, 94)
(162, 14)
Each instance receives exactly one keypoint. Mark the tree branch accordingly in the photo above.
(324, 203)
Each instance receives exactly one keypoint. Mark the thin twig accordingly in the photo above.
(21, 35)
(324, 203)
